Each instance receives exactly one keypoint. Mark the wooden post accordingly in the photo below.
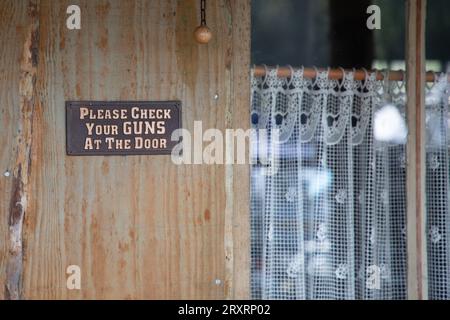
(237, 176)
(415, 175)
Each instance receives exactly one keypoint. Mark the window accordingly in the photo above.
(331, 178)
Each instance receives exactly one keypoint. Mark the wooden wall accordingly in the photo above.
(139, 227)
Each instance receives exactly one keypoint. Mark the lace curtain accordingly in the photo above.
(328, 189)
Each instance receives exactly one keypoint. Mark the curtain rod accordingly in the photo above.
(360, 74)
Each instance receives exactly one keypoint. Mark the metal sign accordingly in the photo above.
(121, 127)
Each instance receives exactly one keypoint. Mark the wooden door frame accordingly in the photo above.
(237, 176)
(417, 283)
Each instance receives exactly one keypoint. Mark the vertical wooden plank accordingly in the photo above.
(237, 221)
(14, 26)
(22, 158)
(415, 188)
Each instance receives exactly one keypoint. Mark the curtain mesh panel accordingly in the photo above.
(328, 193)
(437, 190)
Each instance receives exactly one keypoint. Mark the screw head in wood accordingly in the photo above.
(202, 34)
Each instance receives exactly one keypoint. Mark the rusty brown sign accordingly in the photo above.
(121, 127)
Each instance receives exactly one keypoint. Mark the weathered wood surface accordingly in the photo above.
(138, 226)
(239, 117)
(415, 174)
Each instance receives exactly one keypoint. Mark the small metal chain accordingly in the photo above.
(203, 12)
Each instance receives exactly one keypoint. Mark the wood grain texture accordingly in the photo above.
(239, 117)
(415, 170)
(14, 26)
(140, 227)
